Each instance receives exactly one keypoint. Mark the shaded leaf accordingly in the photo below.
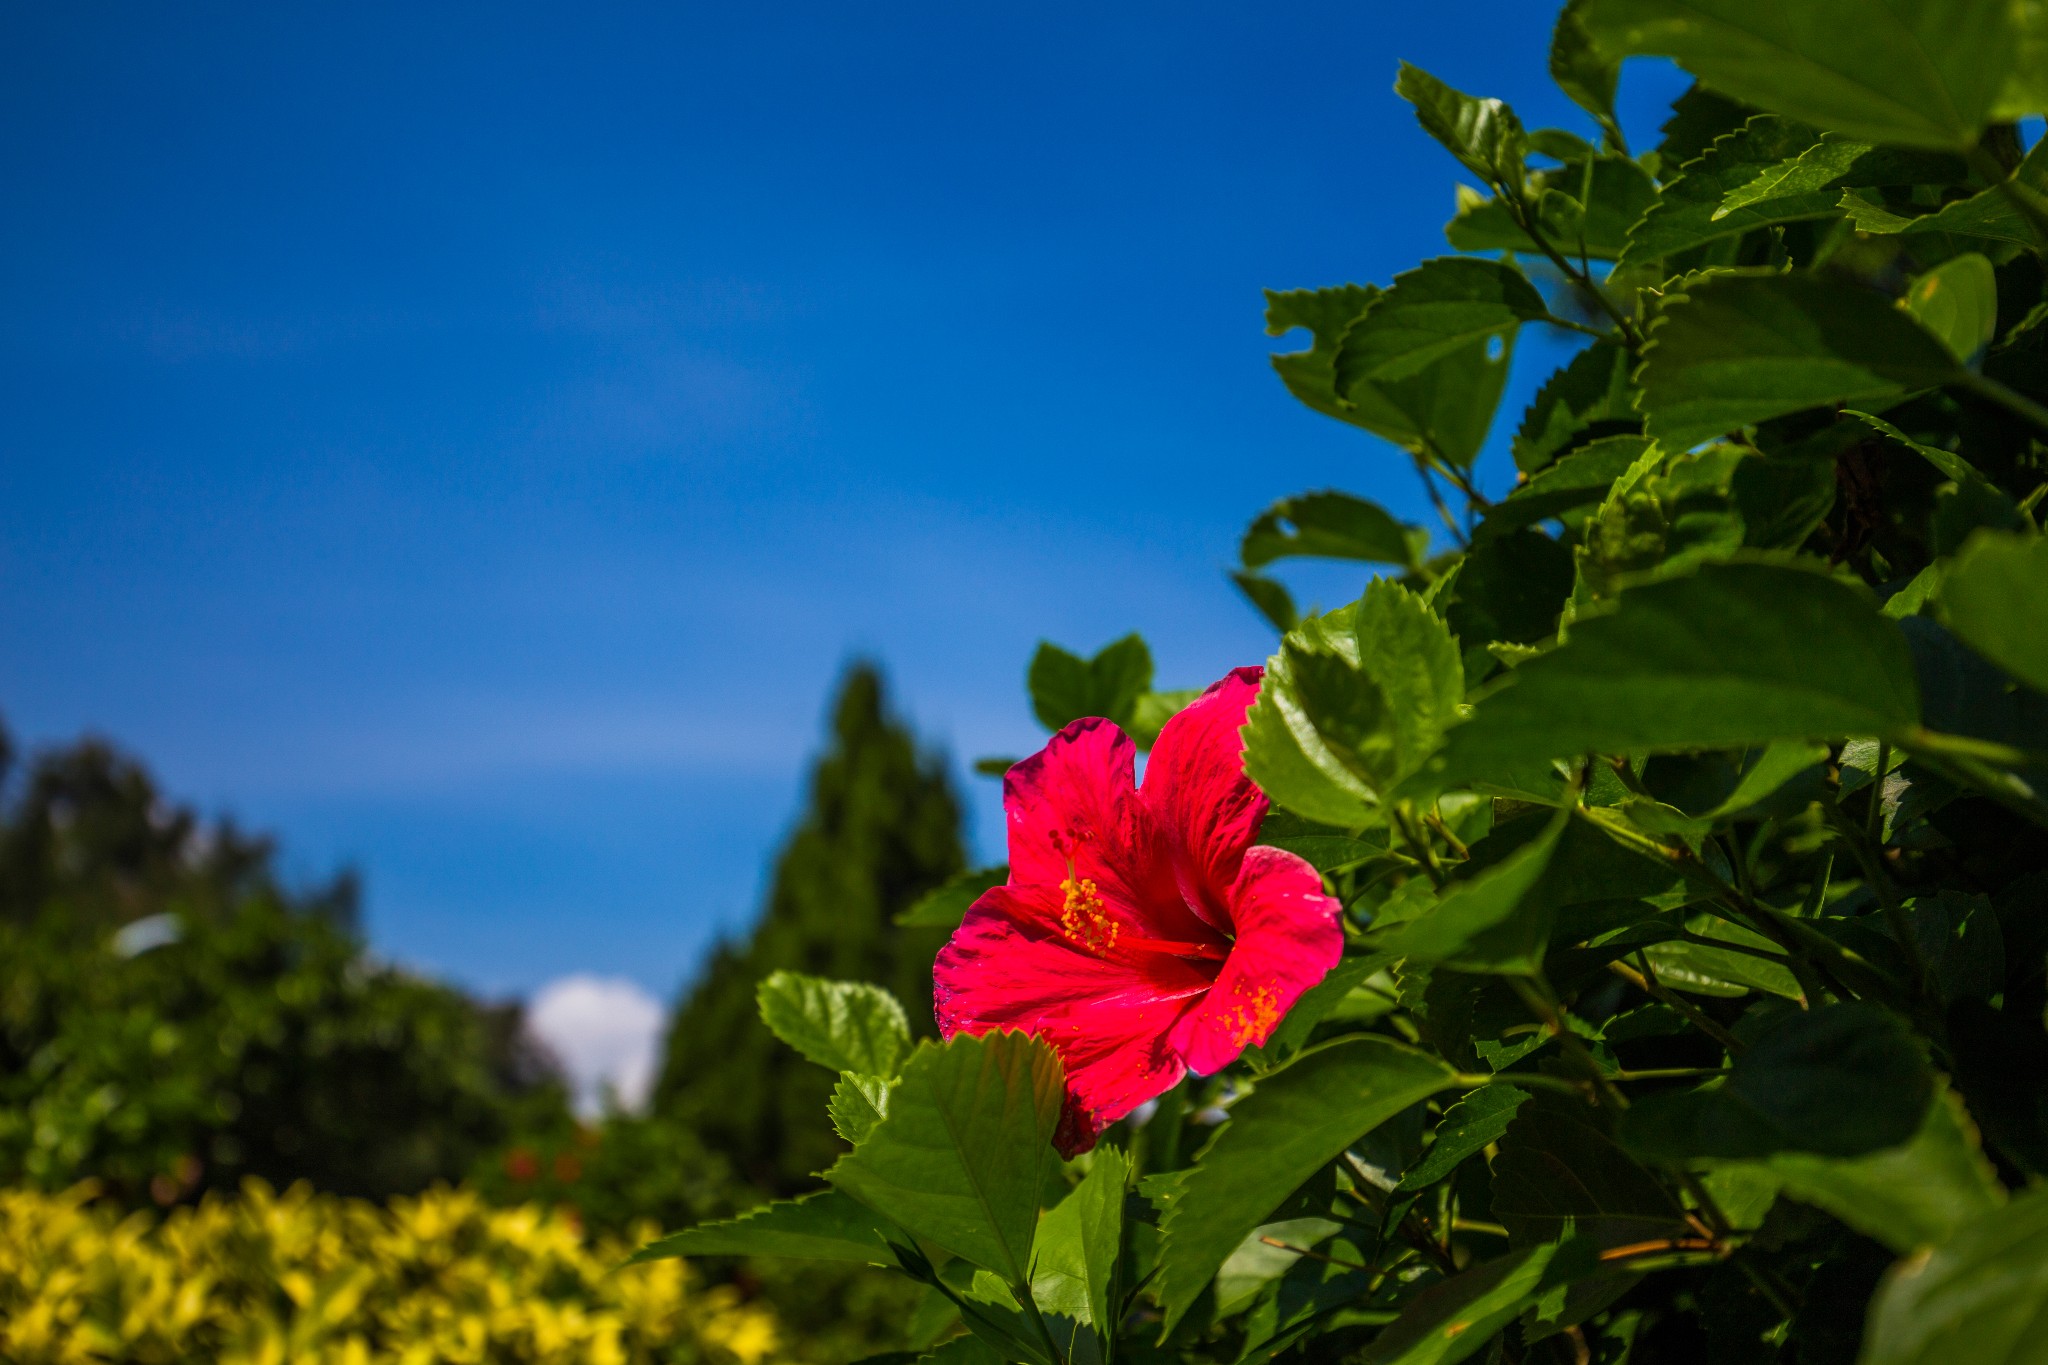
(1295, 1122)
(1480, 922)
(1556, 1172)
(1995, 598)
(1957, 302)
(1466, 1129)
(1453, 1320)
(1271, 598)
(1588, 397)
(1909, 1196)
(1990, 213)
(1580, 479)
(1842, 1080)
(1585, 73)
(1978, 1297)
(1837, 163)
(1693, 209)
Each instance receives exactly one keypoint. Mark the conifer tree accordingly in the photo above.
(882, 828)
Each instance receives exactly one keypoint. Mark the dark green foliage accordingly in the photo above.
(172, 1018)
(882, 828)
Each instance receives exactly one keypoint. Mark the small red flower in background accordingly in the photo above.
(1140, 933)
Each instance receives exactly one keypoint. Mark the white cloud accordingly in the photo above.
(607, 1033)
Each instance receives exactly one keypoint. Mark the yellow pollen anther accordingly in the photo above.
(1255, 1013)
(1083, 920)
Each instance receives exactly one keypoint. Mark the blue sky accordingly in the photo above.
(468, 440)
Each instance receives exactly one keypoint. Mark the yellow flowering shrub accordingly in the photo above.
(299, 1277)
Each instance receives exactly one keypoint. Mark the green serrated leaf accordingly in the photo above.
(1734, 349)
(1922, 74)
(1693, 210)
(1408, 652)
(1331, 525)
(1586, 400)
(840, 1025)
(1734, 656)
(1992, 213)
(1065, 687)
(1440, 308)
(1842, 1080)
(826, 1226)
(1581, 479)
(1834, 164)
(945, 907)
(1484, 134)
(961, 1160)
(1297, 1121)
(1467, 1128)
(1995, 598)
(1290, 760)
(1079, 1241)
(858, 1103)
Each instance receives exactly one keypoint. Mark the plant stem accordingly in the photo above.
(1867, 857)
(1537, 996)
(1699, 1018)
(1582, 278)
(1436, 499)
(1669, 1073)
(1873, 818)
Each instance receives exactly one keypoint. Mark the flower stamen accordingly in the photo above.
(1254, 1014)
(1083, 919)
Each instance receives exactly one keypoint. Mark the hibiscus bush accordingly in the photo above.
(1622, 933)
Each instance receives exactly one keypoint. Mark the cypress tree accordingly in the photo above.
(882, 828)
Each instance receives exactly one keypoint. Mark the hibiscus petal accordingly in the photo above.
(1108, 1018)
(1288, 938)
(1073, 810)
(1203, 805)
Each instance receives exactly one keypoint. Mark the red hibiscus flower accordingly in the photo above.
(1140, 933)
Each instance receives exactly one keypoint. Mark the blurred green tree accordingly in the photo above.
(173, 1017)
(881, 829)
